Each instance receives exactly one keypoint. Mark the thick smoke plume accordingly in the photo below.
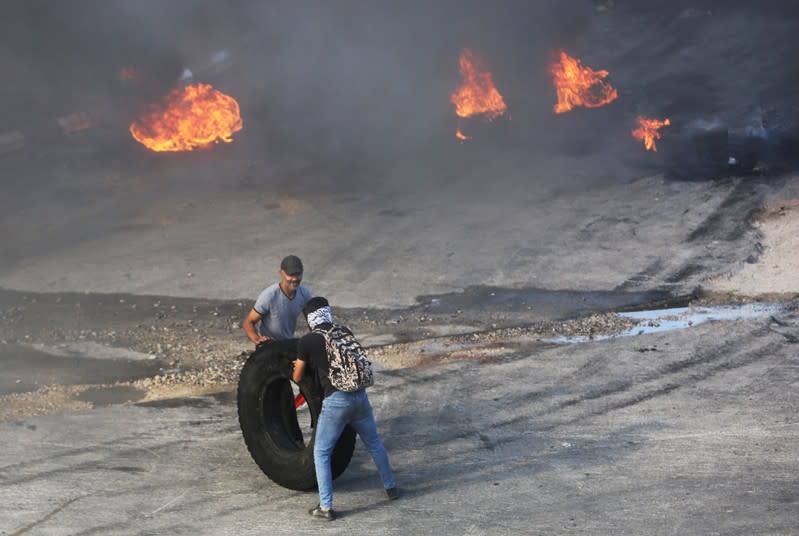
(362, 88)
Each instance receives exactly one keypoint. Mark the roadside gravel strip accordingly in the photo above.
(196, 347)
(162, 348)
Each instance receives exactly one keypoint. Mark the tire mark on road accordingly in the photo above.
(103, 452)
(725, 357)
(733, 218)
(703, 358)
(47, 517)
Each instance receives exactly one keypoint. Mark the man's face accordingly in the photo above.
(290, 282)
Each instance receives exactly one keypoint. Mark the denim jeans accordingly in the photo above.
(338, 410)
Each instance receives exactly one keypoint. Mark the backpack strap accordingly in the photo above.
(326, 335)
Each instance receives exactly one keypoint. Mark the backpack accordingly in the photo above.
(348, 367)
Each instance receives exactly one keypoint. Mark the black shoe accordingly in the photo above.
(327, 515)
(392, 493)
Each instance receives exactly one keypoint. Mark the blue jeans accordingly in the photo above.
(338, 410)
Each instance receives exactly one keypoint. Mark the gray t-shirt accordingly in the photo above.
(278, 313)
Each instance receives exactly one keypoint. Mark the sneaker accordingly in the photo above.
(392, 493)
(327, 515)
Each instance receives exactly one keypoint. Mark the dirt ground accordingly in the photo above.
(778, 261)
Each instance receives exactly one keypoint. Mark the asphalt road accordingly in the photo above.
(683, 432)
(688, 432)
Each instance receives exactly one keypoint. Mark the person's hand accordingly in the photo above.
(261, 339)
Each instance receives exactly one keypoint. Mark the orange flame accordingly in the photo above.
(576, 85)
(477, 95)
(461, 136)
(187, 118)
(648, 131)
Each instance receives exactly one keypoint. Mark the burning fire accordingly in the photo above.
(187, 118)
(477, 94)
(576, 85)
(648, 131)
(461, 136)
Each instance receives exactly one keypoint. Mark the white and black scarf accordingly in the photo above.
(320, 316)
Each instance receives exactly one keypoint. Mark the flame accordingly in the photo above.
(187, 118)
(576, 85)
(461, 136)
(477, 94)
(648, 131)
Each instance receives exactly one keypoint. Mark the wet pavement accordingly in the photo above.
(27, 368)
(662, 320)
(550, 304)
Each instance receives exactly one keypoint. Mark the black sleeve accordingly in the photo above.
(302, 349)
(311, 349)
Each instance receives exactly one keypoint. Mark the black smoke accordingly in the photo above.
(363, 87)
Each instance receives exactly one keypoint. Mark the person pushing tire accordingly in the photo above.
(333, 353)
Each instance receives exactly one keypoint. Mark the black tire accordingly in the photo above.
(269, 423)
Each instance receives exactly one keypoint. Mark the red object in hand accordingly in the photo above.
(299, 400)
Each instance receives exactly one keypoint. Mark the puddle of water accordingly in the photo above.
(544, 304)
(28, 367)
(685, 317)
(183, 402)
(204, 401)
(661, 320)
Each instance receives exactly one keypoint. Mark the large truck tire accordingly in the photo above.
(269, 423)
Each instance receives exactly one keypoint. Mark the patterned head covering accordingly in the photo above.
(317, 311)
(323, 315)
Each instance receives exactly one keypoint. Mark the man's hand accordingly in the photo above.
(260, 340)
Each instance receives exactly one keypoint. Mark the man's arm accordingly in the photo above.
(299, 369)
(249, 327)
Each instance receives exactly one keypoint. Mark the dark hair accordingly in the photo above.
(313, 304)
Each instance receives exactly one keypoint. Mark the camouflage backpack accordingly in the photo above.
(348, 367)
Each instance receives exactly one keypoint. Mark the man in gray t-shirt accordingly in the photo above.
(274, 315)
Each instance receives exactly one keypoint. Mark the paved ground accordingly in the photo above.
(689, 432)
(124, 274)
